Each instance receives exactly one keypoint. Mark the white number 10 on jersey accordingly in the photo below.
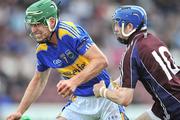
(164, 61)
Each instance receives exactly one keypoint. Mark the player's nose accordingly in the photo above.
(116, 28)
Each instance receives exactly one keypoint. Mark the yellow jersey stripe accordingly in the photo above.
(72, 25)
(73, 69)
(71, 28)
(62, 32)
(41, 47)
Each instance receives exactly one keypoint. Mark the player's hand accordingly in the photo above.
(97, 87)
(115, 85)
(14, 116)
(66, 87)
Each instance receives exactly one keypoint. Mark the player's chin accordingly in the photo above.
(39, 39)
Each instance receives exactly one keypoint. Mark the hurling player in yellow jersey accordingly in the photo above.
(69, 49)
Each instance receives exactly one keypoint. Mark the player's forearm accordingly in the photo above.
(119, 96)
(93, 69)
(33, 91)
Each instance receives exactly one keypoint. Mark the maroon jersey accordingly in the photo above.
(147, 59)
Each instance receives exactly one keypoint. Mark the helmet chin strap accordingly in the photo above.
(122, 40)
(128, 34)
(126, 41)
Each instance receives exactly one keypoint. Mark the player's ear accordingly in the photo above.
(52, 22)
(129, 27)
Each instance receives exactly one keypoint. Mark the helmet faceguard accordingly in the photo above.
(135, 15)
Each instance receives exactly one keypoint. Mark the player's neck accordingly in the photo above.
(54, 39)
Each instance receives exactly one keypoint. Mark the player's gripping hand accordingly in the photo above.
(65, 87)
(14, 116)
(99, 88)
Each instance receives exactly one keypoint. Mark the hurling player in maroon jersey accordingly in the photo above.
(148, 60)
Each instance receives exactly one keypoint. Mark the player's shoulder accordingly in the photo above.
(65, 24)
(148, 42)
(41, 47)
(67, 28)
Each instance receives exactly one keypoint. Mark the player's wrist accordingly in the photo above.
(76, 81)
(20, 112)
(103, 92)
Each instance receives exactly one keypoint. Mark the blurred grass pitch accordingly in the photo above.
(25, 117)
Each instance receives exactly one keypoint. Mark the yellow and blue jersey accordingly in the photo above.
(67, 56)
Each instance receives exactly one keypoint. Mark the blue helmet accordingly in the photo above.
(135, 15)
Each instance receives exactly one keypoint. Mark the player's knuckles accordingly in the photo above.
(58, 89)
(101, 82)
(95, 86)
(66, 94)
(61, 87)
(63, 92)
(59, 83)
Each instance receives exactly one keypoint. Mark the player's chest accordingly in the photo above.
(59, 57)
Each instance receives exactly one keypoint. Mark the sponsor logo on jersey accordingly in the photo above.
(57, 62)
(79, 64)
(70, 54)
(79, 68)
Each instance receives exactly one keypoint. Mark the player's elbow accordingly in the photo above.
(100, 62)
(105, 62)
